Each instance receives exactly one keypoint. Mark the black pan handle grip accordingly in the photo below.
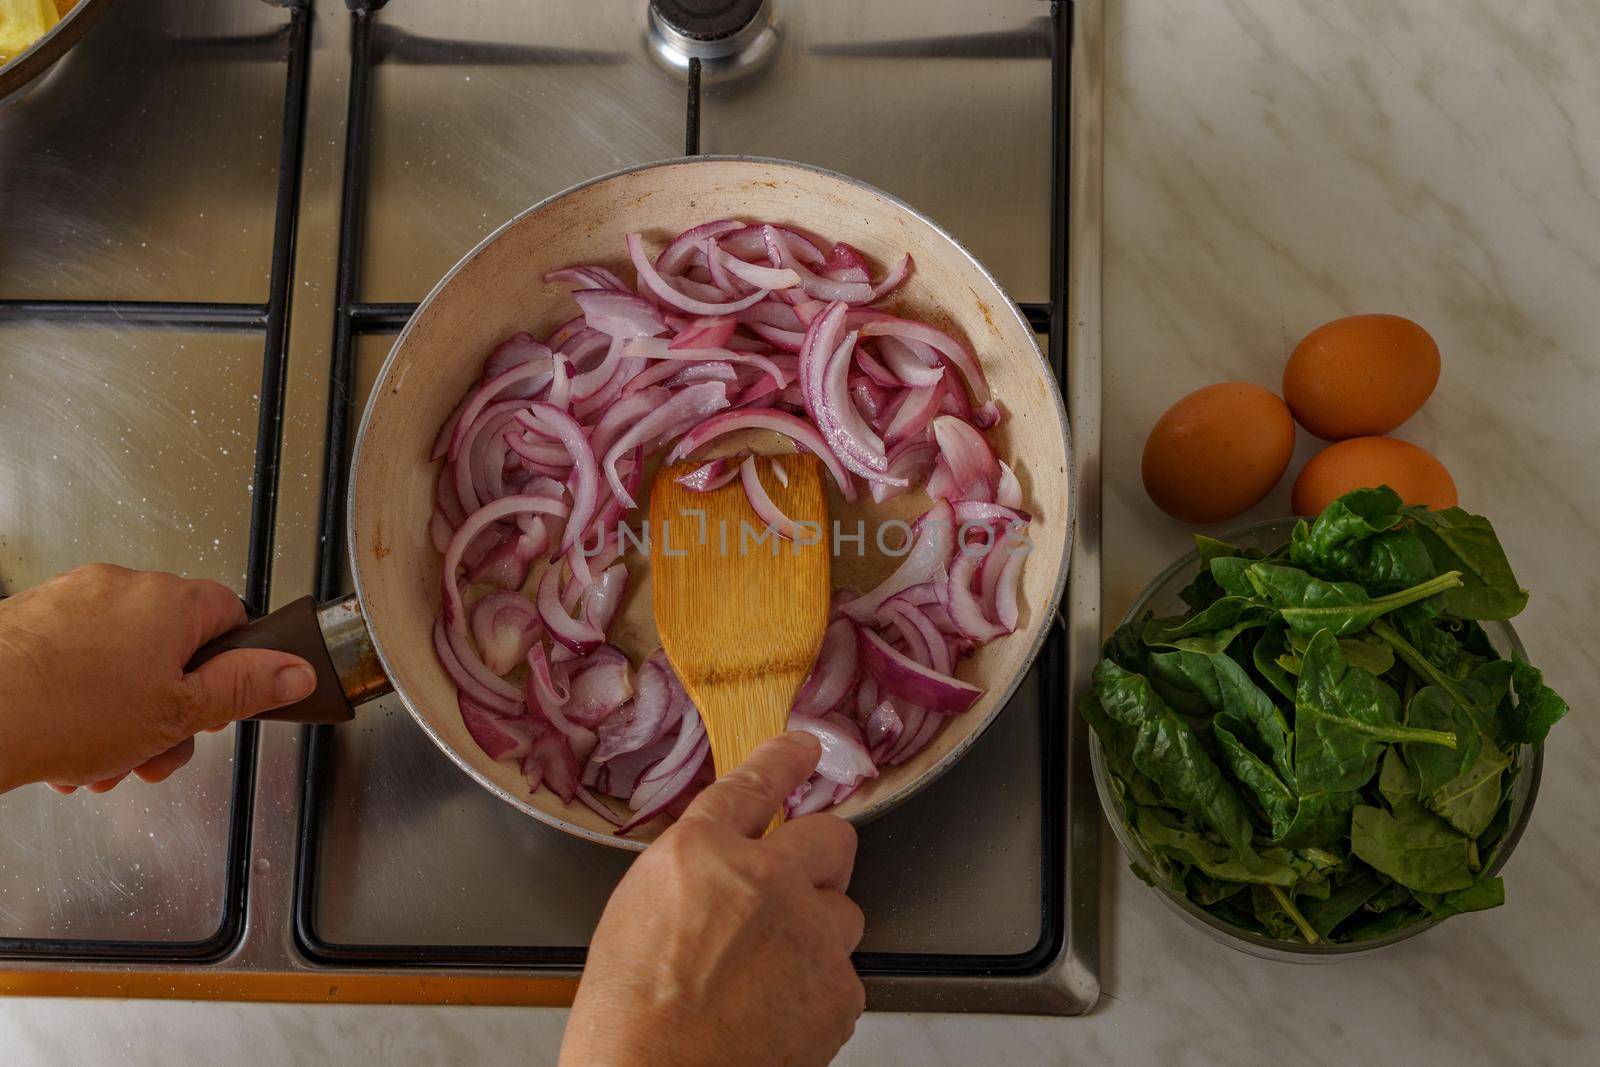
(295, 628)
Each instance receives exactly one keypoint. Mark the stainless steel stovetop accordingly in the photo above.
(213, 219)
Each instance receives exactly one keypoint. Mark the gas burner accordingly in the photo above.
(727, 36)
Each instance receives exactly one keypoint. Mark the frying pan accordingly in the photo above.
(381, 636)
(38, 57)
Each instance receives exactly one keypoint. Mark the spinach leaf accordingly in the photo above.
(1170, 755)
(1210, 630)
(1459, 541)
(1228, 571)
(1343, 719)
(1116, 745)
(1417, 849)
(1309, 604)
(1384, 923)
(1203, 590)
(1320, 819)
(1276, 911)
(1480, 895)
(1126, 648)
(1392, 895)
(1194, 849)
(1346, 899)
(1537, 708)
(1271, 645)
(1205, 890)
(1370, 653)
(1359, 538)
(1333, 540)
(1431, 708)
(1463, 789)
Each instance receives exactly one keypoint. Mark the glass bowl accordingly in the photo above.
(1161, 597)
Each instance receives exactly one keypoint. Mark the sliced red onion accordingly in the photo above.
(548, 695)
(687, 406)
(893, 280)
(708, 476)
(815, 285)
(620, 315)
(677, 769)
(587, 278)
(970, 513)
(845, 264)
(959, 355)
(915, 740)
(930, 554)
(962, 602)
(810, 796)
(580, 635)
(844, 758)
(755, 274)
(621, 774)
(469, 683)
(834, 673)
(565, 333)
(536, 371)
(972, 462)
(514, 351)
(558, 394)
(505, 566)
(903, 362)
(913, 415)
(658, 348)
(1006, 608)
(651, 279)
(681, 248)
(909, 460)
(924, 642)
(585, 471)
(599, 684)
(869, 398)
(643, 721)
(498, 736)
(750, 243)
(876, 371)
(439, 530)
(550, 762)
(796, 429)
(882, 729)
(1008, 491)
(712, 331)
(602, 598)
(447, 432)
(762, 504)
(900, 676)
(504, 625)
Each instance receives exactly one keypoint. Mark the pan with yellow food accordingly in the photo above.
(36, 33)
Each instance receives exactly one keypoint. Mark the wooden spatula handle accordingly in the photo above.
(743, 712)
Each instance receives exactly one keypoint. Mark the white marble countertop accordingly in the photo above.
(1271, 164)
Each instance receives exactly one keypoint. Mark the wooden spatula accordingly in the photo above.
(740, 610)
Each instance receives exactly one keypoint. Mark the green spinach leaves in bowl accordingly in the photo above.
(1334, 743)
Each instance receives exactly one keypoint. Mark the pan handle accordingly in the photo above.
(333, 638)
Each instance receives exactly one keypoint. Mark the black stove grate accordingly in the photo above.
(272, 321)
(354, 317)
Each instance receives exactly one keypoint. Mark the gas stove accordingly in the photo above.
(216, 219)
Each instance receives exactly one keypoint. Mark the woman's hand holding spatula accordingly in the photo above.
(722, 946)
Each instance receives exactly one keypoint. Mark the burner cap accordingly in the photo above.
(706, 20)
(728, 37)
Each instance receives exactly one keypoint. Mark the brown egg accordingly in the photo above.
(1360, 376)
(1217, 452)
(1371, 461)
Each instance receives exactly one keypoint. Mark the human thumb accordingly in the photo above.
(246, 682)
